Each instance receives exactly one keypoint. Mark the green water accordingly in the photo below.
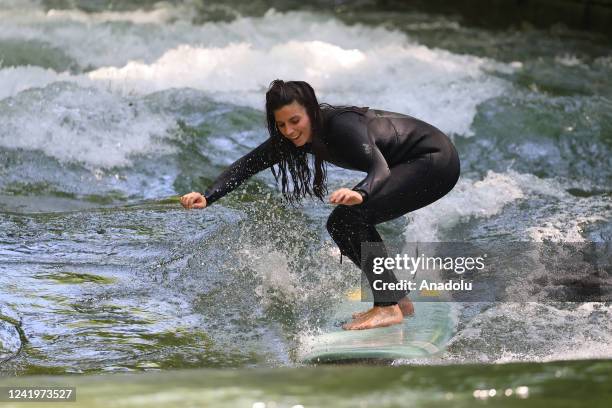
(558, 384)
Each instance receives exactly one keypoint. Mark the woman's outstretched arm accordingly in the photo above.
(258, 159)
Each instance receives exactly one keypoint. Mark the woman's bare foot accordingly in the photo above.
(379, 316)
(357, 315)
(404, 304)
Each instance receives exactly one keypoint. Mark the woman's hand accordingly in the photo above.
(345, 196)
(193, 200)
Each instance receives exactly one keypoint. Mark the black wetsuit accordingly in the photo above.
(409, 164)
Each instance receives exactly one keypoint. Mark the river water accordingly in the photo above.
(109, 112)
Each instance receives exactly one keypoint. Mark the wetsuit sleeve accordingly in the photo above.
(260, 158)
(351, 135)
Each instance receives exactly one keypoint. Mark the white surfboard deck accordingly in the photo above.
(424, 334)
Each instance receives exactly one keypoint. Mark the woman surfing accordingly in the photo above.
(409, 165)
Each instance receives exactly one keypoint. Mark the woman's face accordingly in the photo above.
(294, 124)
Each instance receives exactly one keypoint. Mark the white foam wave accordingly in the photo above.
(561, 217)
(568, 60)
(16, 79)
(568, 229)
(84, 125)
(564, 217)
(160, 14)
(537, 333)
(93, 40)
(469, 198)
(434, 85)
(235, 61)
(26, 11)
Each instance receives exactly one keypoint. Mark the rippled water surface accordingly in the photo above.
(109, 113)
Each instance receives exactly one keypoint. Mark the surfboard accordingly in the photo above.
(425, 334)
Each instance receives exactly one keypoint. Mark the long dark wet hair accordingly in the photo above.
(294, 161)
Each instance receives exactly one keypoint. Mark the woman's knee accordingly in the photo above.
(341, 220)
(335, 221)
